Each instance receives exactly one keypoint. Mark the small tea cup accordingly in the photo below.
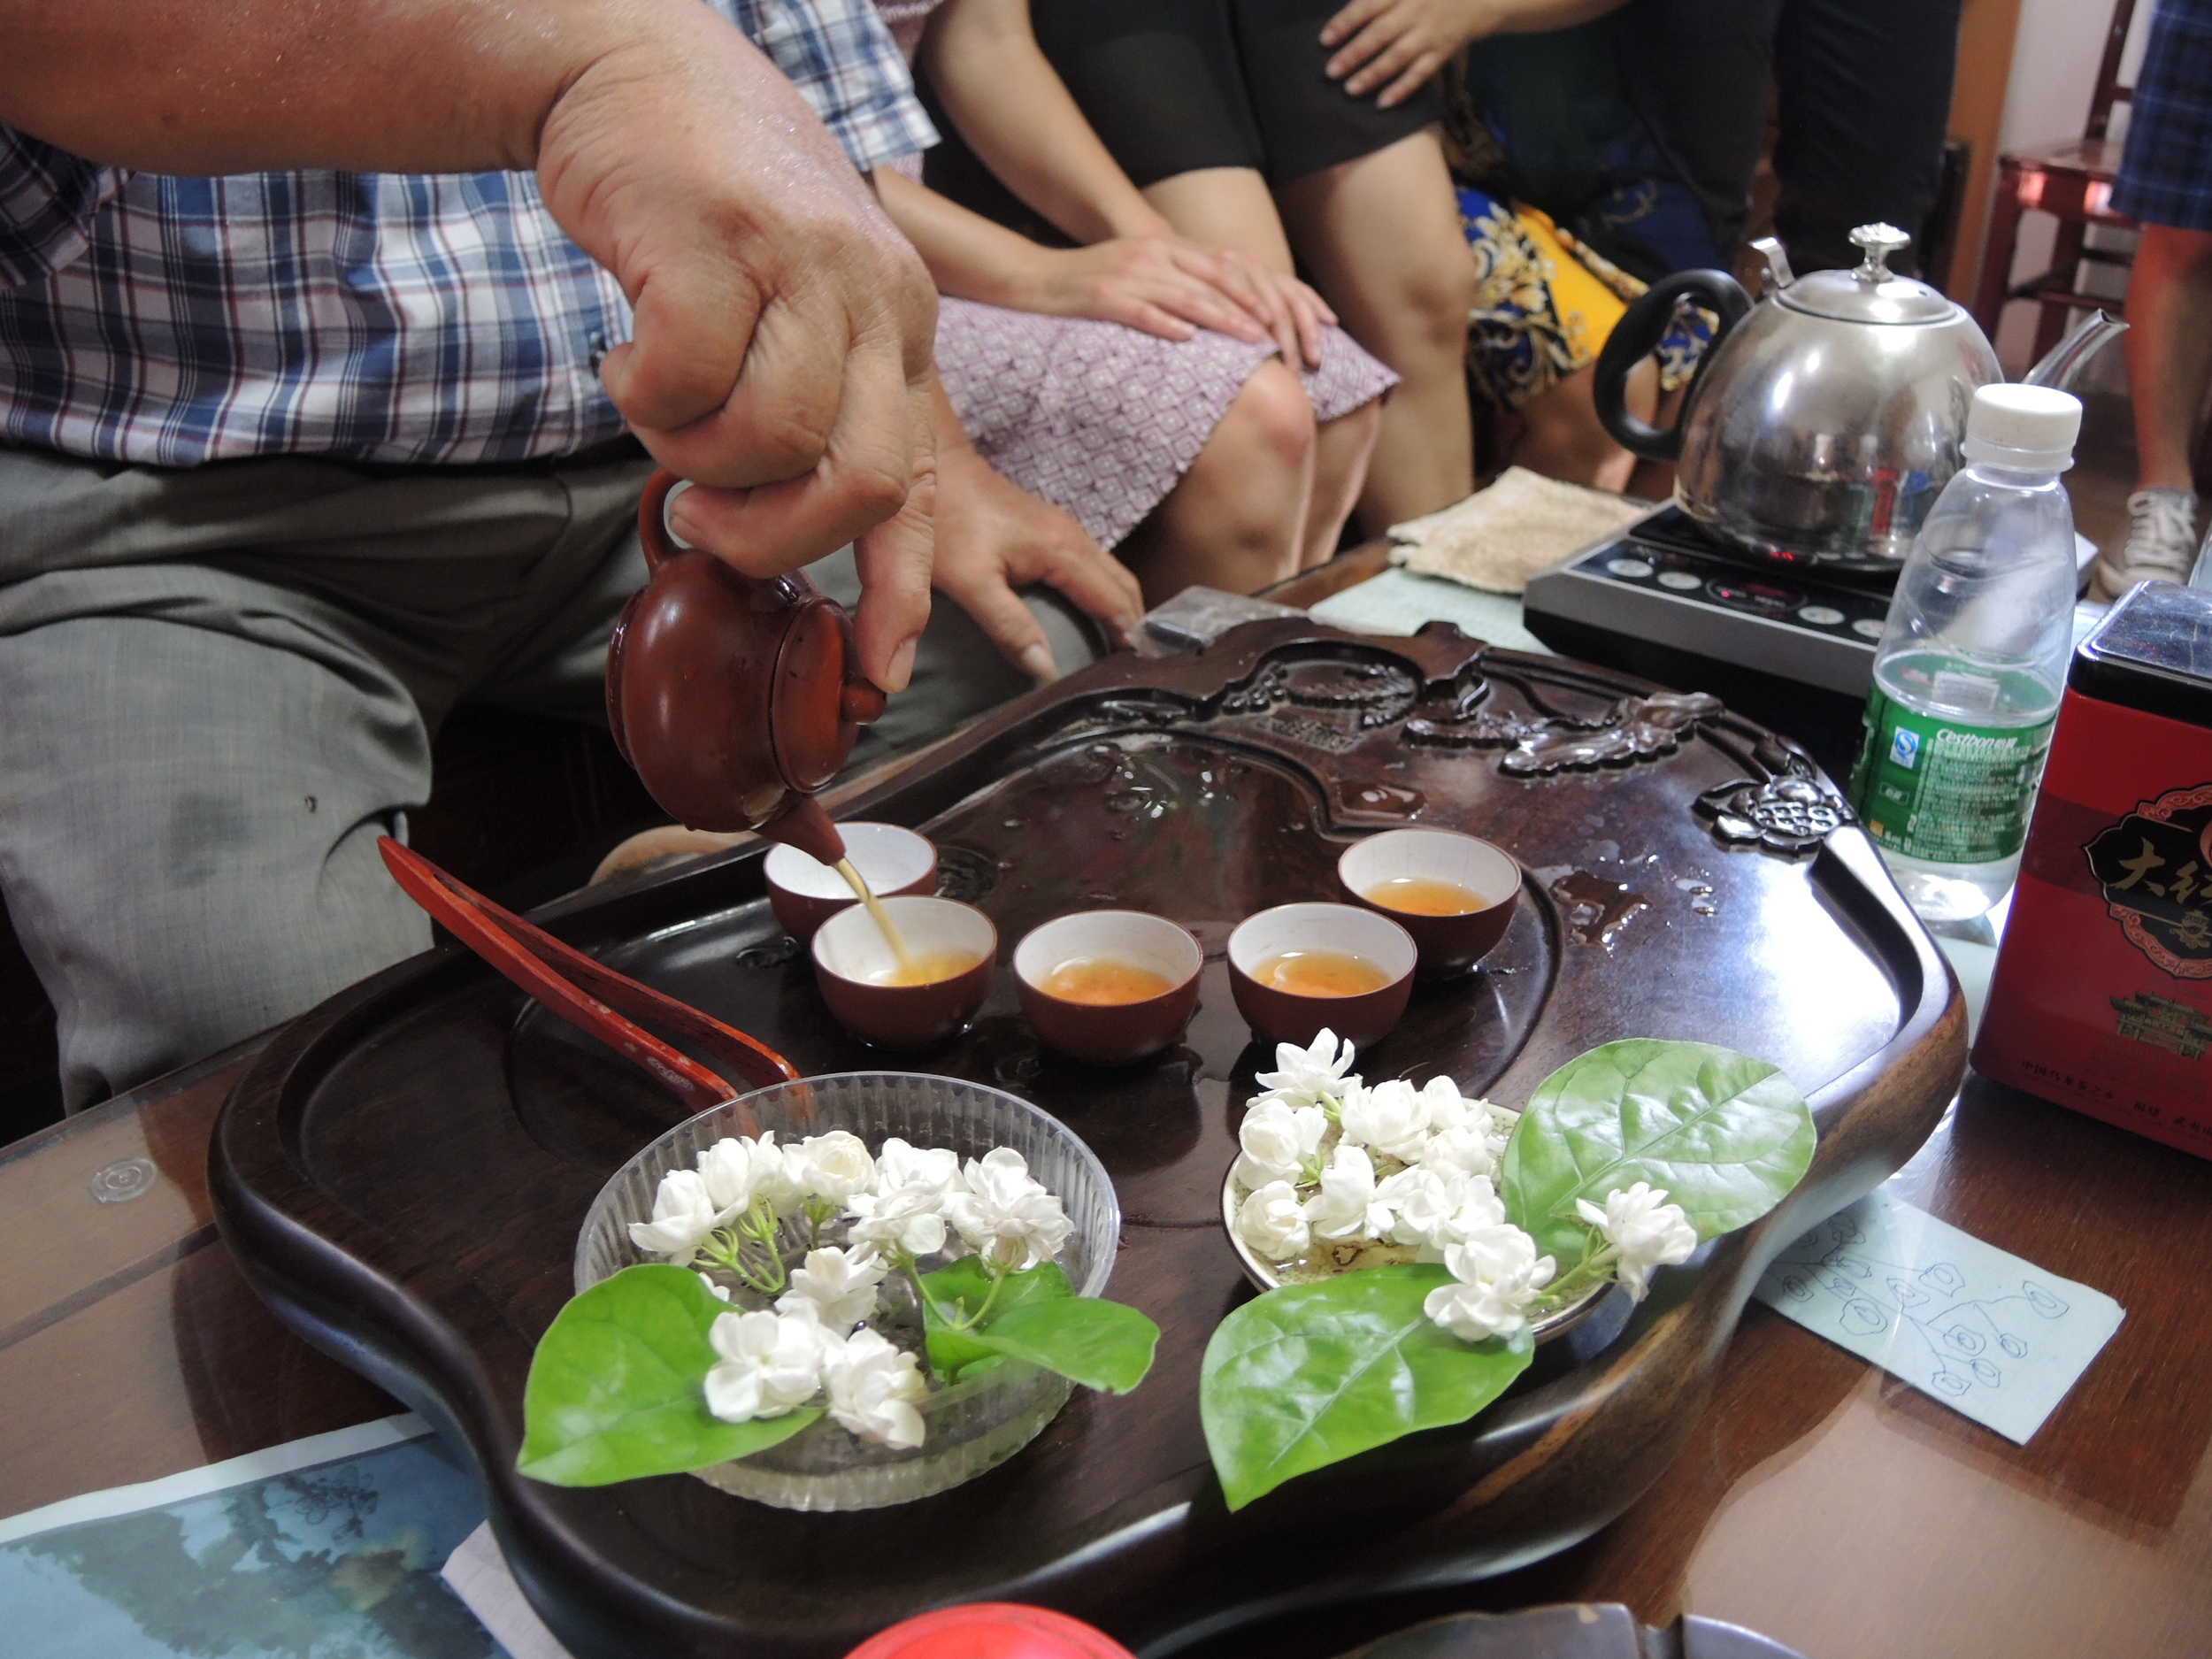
(1286, 1015)
(804, 892)
(1448, 944)
(851, 956)
(1108, 1033)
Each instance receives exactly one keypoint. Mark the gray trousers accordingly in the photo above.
(217, 688)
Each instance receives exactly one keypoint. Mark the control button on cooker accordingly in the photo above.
(1820, 616)
(1759, 596)
(1681, 581)
(1867, 628)
(1628, 567)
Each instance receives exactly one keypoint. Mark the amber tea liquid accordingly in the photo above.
(1102, 981)
(1425, 895)
(926, 969)
(909, 970)
(1321, 973)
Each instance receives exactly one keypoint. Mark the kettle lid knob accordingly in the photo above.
(1880, 244)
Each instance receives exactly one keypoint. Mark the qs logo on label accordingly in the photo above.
(1904, 748)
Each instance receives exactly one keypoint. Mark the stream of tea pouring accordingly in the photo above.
(909, 972)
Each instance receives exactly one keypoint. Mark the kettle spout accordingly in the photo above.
(2063, 365)
(804, 825)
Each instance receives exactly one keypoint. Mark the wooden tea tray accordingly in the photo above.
(404, 1173)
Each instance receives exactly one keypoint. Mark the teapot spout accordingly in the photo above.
(804, 825)
(2063, 365)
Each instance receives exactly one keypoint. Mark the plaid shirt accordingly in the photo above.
(2165, 175)
(376, 316)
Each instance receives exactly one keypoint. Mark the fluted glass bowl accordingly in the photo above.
(969, 1427)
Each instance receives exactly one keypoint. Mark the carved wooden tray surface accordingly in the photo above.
(404, 1173)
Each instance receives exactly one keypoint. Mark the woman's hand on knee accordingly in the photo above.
(1295, 314)
(1160, 284)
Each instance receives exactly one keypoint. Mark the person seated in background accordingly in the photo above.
(1150, 387)
(1607, 145)
(1570, 209)
(1220, 113)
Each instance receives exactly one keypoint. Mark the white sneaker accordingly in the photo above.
(2162, 544)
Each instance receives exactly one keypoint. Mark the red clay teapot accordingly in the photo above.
(736, 699)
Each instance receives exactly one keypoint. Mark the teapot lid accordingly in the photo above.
(1873, 293)
(818, 702)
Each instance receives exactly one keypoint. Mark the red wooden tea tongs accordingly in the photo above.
(588, 994)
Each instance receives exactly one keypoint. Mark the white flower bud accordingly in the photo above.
(1274, 1222)
(873, 1388)
(1346, 1206)
(1649, 1233)
(770, 1364)
(1277, 1139)
(1392, 1118)
(1308, 1076)
(683, 1215)
(834, 1165)
(839, 1289)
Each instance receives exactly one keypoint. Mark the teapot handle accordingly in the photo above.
(652, 520)
(1637, 335)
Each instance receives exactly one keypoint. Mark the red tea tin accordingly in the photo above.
(2101, 999)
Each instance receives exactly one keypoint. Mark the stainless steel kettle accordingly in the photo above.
(1825, 419)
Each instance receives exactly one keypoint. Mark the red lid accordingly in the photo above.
(991, 1629)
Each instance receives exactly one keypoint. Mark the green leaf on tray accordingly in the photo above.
(614, 1389)
(1037, 1317)
(1310, 1374)
(1726, 1136)
(959, 1289)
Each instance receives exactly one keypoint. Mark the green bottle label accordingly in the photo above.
(1944, 791)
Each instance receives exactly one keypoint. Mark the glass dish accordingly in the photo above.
(969, 1427)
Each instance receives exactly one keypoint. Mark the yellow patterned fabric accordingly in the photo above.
(1544, 303)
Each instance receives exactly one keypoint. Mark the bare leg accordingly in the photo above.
(1383, 240)
(1560, 438)
(1237, 519)
(1224, 207)
(1340, 453)
(1230, 207)
(2169, 346)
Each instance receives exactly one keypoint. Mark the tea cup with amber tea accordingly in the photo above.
(915, 988)
(1454, 892)
(1108, 988)
(1299, 967)
(804, 892)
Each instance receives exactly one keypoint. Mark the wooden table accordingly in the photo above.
(1818, 1500)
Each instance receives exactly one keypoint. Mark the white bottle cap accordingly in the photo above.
(2023, 428)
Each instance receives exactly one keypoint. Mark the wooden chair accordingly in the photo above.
(2072, 181)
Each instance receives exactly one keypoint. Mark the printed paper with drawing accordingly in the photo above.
(1990, 1335)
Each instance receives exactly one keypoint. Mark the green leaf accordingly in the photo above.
(1726, 1136)
(615, 1391)
(958, 1290)
(1038, 1318)
(1312, 1374)
(1104, 1345)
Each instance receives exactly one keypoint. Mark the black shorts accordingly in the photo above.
(1173, 85)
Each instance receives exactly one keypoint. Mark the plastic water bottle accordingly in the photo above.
(1972, 662)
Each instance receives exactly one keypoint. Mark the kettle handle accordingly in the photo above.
(1637, 335)
(652, 520)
